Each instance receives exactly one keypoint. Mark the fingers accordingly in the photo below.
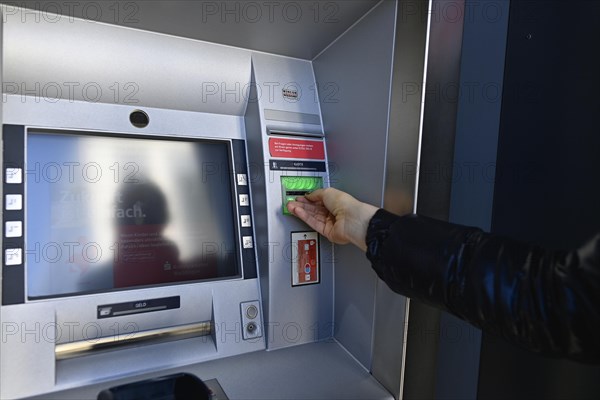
(313, 216)
(316, 210)
(312, 210)
(317, 195)
(331, 198)
(303, 200)
(307, 202)
(292, 206)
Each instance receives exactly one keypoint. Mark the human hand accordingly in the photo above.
(336, 215)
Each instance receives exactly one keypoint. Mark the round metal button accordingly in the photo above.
(251, 312)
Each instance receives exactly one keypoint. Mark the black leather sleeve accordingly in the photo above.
(546, 301)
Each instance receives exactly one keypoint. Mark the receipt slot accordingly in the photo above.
(294, 186)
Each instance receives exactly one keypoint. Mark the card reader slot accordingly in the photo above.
(64, 351)
(294, 186)
(296, 192)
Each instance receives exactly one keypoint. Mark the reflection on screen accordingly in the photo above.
(112, 212)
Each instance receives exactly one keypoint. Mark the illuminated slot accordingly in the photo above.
(295, 186)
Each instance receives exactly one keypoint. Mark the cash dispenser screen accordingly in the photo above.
(110, 212)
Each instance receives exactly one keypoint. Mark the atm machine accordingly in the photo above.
(145, 177)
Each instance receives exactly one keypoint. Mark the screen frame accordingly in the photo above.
(158, 138)
(245, 259)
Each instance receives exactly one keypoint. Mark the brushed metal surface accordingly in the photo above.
(294, 315)
(293, 28)
(84, 115)
(28, 364)
(413, 24)
(76, 60)
(476, 145)
(355, 77)
(65, 351)
(286, 116)
(439, 91)
(313, 371)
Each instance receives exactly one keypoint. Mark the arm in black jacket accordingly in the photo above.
(548, 302)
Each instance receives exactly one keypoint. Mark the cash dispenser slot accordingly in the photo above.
(296, 192)
(65, 351)
(295, 186)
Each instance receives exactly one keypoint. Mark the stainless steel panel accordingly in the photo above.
(115, 118)
(45, 330)
(258, 179)
(27, 349)
(28, 363)
(72, 59)
(321, 370)
(286, 116)
(293, 28)
(274, 75)
(300, 314)
(478, 119)
(82, 348)
(355, 78)
(441, 91)
(402, 164)
(76, 316)
(75, 313)
(477, 130)
(82, 371)
(441, 105)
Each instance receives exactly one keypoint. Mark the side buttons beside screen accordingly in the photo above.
(247, 242)
(13, 229)
(14, 202)
(14, 176)
(245, 220)
(242, 179)
(244, 200)
(13, 207)
(12, 280)
(13, 257)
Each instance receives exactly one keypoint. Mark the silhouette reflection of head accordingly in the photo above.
(145, 256)
(141, 204)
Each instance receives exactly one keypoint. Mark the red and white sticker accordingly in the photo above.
(297, 148)
(305, 258)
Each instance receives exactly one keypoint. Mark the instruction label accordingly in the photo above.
(295, 148)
